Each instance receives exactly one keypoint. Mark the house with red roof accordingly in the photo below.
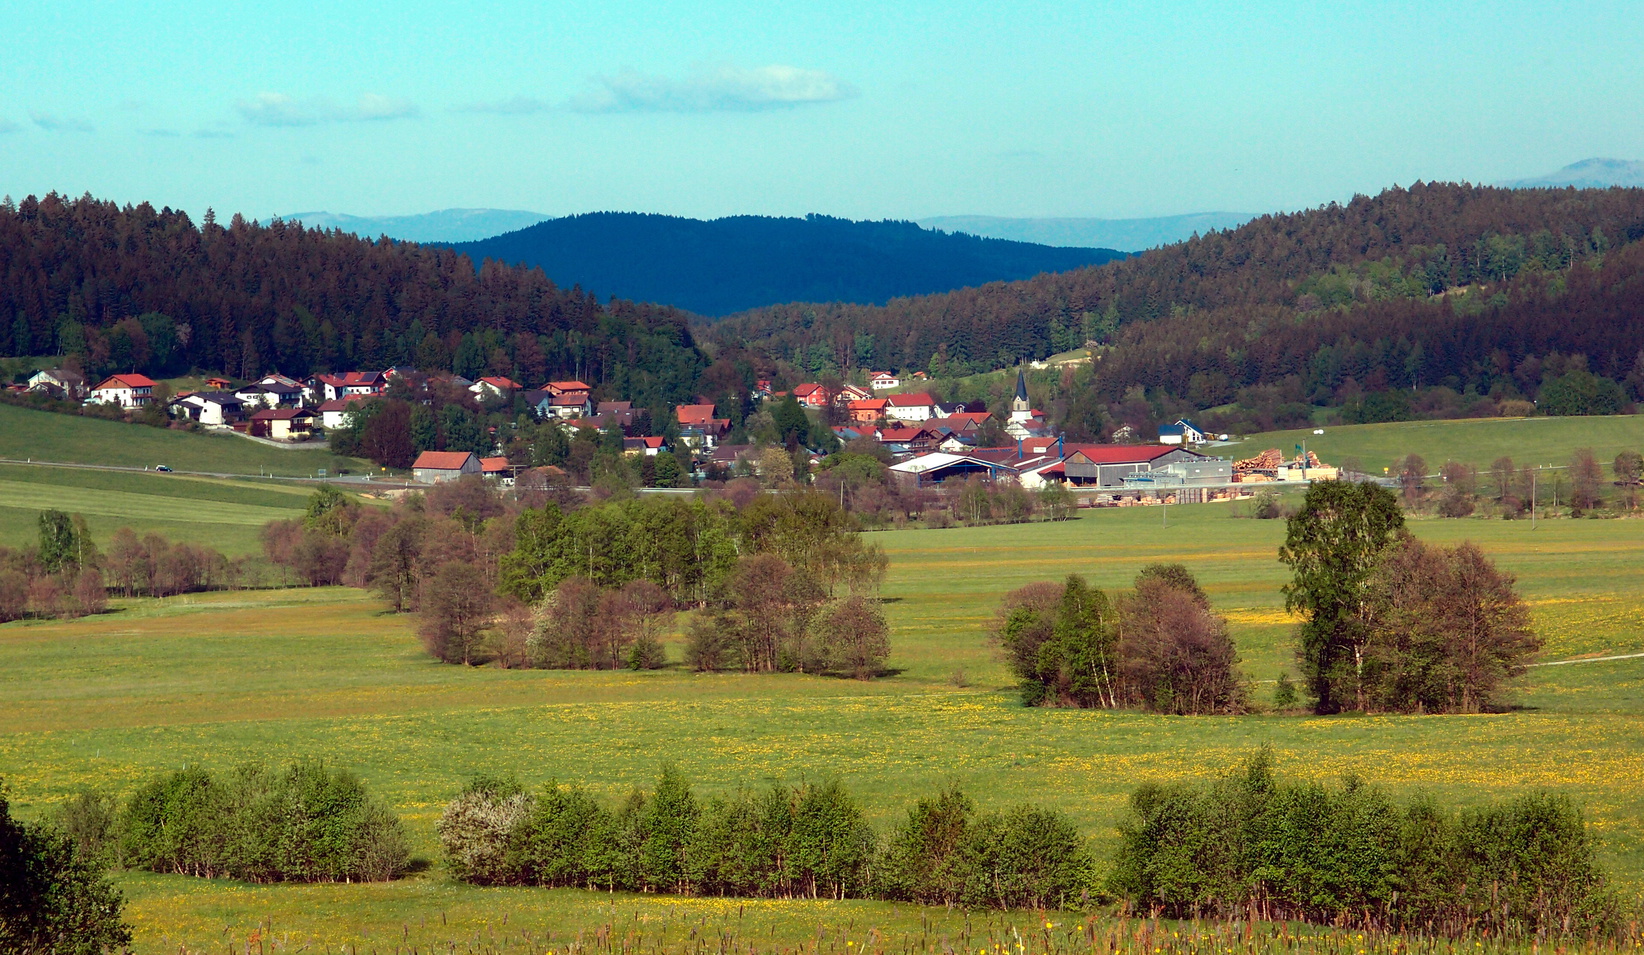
(497, 469)
(437, 467)
(911, 406)
(1107, 465)
(811, 395)
(571, 405)
(572, 388)
(648, 445)
(124, 391)
(883, 381)
(494, 386)
(867, 410)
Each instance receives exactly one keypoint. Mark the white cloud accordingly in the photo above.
(513, 106)
(713, 89)
(278, 109)
(53, 123)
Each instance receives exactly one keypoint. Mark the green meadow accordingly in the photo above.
(26, 434)
(1475, 441)
(221, 678)
(224, 513)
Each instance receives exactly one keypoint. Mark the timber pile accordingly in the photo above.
(1270, 460)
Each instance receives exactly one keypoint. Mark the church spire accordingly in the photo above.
(1021, 385)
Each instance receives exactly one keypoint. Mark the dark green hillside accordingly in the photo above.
(741, 262)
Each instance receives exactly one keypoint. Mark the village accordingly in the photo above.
(927, 442)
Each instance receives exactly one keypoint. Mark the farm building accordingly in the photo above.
(1107, 465)
(437, 467)
(940, 467)
(210, 408)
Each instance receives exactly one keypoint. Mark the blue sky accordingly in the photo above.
(861, 110)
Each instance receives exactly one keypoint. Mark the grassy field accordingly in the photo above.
(71, 439)
(1476, 441)
(224, 513)
(220, 678)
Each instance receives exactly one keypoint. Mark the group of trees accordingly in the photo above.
(135, 289)
(1253, 845)
(1158, 648)
(66, 575)
(786, 842)
(60, 576)
(1461, 489)
(306, 822)
(1393, 624)
(773, 616)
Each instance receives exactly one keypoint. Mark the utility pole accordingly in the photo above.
(1533, 499)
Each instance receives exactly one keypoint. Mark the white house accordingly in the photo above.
(334, 413)
(883, 381)
(912, 406)
(494, 386)
(1182, 432)
(59, 382)
(124, 391)
(211, 408)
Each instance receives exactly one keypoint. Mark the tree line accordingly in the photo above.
(135, 289)
(1448, 236)
(1252, 845)
(809, 841)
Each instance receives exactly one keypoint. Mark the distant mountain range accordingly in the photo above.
(1132, 235)
(446, 225)
(1587, 174)
(721, 266)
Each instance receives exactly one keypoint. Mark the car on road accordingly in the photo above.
(161, 467)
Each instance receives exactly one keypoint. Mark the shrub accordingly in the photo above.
(1248, 843)
(483, 830)
(307, 823)
(53, 898)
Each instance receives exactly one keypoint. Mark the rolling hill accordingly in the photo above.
(1132, 235)
(728, 265)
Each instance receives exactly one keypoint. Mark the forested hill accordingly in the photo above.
(135, 289)
(726, 265)
(1404, 244)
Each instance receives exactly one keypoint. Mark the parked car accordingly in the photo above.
(161, 467)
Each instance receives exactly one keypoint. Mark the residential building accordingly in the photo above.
(495, 386)
(124, 391)
(282, 424)
(650, 445)
(883, 381)
(497, 469)
(334, 413)
(270, 394)
(571, 405)
(1182, 432)
(911, 406)
(59, 383)
(867, 410)
(437, 467)
(210, 408)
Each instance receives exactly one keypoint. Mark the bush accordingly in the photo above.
(307, 823)
(53, 898)
(1250, 844)
(785, 842)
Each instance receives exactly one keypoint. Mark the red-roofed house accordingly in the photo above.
(912, 406)
(435, 467)
(694, 415)
(883, 381)
(572, 388)
(910, 439)
(571, 405)
(494, 385)
(497, 469)
(811, 395)
(124, 391)
(867, 410)
(648, 445)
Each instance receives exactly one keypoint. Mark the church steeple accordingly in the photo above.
(1020, 407)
